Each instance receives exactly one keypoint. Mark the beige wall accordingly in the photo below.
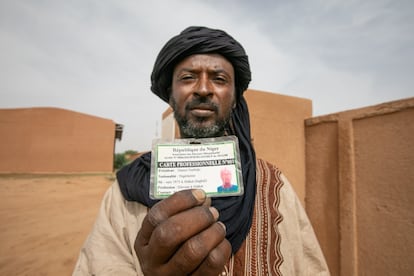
(169, 128)
(359, 190)
(278, 132)
(50, 140)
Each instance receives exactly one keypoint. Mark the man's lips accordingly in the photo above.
(202, 110)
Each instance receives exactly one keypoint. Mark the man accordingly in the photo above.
(202, 73)
(226, 186)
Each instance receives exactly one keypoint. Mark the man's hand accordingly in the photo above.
(180, 235)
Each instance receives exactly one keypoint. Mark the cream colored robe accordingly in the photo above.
(280, 242)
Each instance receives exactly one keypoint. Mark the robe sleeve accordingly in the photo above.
(300, 247)
(109, 248)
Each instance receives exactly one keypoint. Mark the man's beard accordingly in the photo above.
(194, 128)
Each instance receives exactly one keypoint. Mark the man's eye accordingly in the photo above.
(221, 79)
(187, 77)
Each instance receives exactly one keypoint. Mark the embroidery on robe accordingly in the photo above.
(254, 258)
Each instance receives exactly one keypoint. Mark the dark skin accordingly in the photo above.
(180, 235)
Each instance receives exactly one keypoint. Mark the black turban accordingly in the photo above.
(199, 40)
(236, 212)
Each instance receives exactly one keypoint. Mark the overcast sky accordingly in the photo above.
(96, 57)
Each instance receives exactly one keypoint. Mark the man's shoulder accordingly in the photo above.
(264, 164)
(270, 176)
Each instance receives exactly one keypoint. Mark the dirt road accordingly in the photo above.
(45, 219)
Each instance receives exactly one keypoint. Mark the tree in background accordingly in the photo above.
(122, 159)
(119, 160)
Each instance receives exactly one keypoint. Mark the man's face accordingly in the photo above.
(203, 95)
(226, 176)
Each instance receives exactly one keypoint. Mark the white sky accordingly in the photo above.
(96, 56)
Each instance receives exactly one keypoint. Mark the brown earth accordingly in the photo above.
(45, 219)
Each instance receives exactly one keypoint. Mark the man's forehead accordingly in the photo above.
(210, 59)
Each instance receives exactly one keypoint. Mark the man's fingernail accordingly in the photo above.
(199, 194)
(214, 212)
(223, 225)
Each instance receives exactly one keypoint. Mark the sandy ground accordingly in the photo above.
(45, 220)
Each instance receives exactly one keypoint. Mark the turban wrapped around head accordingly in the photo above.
(199, 40)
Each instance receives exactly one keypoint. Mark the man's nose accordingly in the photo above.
(204, 87)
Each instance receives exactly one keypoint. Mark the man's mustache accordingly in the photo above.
(204, 103)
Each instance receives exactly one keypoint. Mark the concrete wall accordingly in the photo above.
(51, 140)
(278, 132)
(169, 129)
(360, 188)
